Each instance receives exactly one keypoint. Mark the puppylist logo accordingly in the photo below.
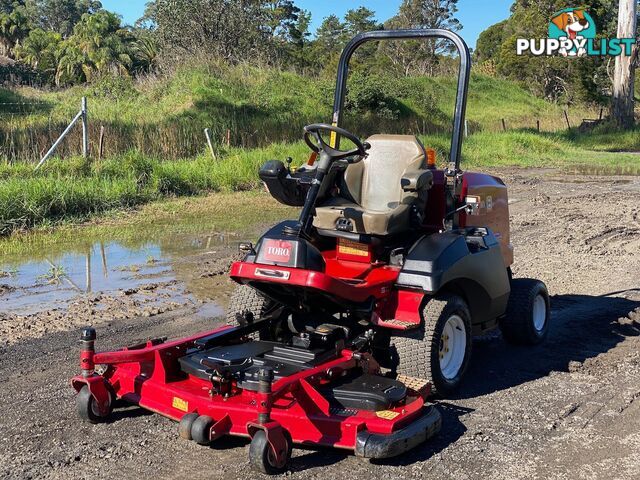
(572, 33)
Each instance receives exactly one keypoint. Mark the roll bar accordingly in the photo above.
(463, 77)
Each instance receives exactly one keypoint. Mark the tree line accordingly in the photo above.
(68, 42)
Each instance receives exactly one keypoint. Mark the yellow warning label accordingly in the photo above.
(348, 247)
(180, 404)
(387, 414)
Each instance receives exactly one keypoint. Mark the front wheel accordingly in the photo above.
(440, 350)
(262, 457)
(88, 409)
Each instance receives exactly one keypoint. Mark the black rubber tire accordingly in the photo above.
(184, 427)
(260, 453)
(201, 428)
(245, 299)
(418, 351)
(87, 408)
(517, 325)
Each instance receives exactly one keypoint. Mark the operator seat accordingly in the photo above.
(378, 194)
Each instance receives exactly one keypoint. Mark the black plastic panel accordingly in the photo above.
(470, 260)
(366, 392)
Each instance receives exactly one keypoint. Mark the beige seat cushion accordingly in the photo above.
(381, 206)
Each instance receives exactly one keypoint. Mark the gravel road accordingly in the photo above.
(567, 409)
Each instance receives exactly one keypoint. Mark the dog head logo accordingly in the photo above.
(575, 25)
(572, 33)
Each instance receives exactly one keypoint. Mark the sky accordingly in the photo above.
(474, 15)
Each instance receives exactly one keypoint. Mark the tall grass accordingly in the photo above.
(75, 189)
(165, 117)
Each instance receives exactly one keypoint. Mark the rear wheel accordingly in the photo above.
(526, 321)
(438, 351)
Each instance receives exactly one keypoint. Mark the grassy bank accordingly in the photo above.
(165, 117)
(75, 190)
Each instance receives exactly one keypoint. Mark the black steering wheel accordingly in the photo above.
(312, 132)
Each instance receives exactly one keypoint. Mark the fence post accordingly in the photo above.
(538, 125)
(85, 129)
(207, 133)
(566, 117)
(466, 128)
(504, 125)
(101, 143)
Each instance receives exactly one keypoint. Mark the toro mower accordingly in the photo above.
(346, 321)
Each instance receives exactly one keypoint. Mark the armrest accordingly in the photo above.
(416, 180)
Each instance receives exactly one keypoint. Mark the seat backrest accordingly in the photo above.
(375, 182)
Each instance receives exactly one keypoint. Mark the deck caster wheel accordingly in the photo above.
(87, 406)
(201, 429)
(184, 427)
(526, 321)
(439, 351)
(262, 457)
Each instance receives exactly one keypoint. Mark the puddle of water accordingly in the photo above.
(33, 285)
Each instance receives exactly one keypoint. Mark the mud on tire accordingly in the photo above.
(419, 351)
(526, 321)
(245, 300)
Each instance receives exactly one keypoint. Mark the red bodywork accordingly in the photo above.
(150, 376)
(356, 276)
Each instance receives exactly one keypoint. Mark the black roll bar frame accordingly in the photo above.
(463, 79)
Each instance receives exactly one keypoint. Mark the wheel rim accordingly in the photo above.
(453, 346)
(539, 313)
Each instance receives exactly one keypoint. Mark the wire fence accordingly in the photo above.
(25, 138)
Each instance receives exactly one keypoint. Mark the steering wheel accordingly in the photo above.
(312, 132)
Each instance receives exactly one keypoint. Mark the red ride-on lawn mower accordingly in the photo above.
(346, 320)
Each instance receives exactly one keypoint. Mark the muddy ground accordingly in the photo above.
(567, 409)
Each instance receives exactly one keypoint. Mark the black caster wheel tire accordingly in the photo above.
(201, 428)
(87, 407)
(184, 427)
(528, 315)
(261, 455)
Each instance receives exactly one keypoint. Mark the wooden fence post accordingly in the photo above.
(504, 125)
(538, 125)
(101, 143)
(566, 117)
(207, 134)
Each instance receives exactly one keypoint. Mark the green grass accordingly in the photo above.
(76, 190)
(165, 116)
(155, 145)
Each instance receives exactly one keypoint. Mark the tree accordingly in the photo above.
(360, 20)
(231, 30)
(14, 26)
(622, 105)
(98, 46)
(552, 77)
(330, 36)
(62, 15)
(421, 57)
(489, 42)
(40, 51)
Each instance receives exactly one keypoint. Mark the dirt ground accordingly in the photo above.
(569, 408)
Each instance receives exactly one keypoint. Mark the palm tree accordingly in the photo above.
(39, 50)
(95, 48)
(14, 26)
